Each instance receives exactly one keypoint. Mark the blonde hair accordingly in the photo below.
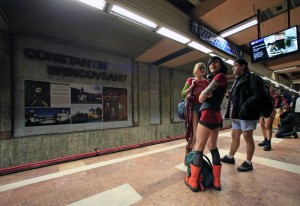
(197, 66)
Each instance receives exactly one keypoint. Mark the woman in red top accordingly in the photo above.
(193, 87)
(209, 125)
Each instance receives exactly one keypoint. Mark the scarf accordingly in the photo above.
(189, 122)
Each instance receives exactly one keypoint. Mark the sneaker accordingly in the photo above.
(262, 143)
(227, 160)
(245, 167)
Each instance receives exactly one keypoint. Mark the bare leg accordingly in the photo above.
(202, 136)
(235, 143)
(263, 126)
(212, 141)
(250, 146)
(268, 126)
(195, 123)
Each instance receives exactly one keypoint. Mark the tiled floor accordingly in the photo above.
(154, 175)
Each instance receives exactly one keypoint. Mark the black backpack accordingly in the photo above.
(206, 169)
(266, 104)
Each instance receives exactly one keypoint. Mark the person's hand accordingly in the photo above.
(193, 83)
(210, 95)
(227, 93)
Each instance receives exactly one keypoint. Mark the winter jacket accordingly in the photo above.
(287, 120)
(247, 100)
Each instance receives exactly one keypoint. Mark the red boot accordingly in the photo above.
(217, 175)
(201, 187)
(192, 180)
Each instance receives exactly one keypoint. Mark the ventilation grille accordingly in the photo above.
(278, 9)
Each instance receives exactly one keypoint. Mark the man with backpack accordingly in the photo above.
(248, 100)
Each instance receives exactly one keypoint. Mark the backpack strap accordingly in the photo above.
(207, 159)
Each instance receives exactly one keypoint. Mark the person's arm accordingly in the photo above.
(218, 80)
(207, 93)
(187, 89)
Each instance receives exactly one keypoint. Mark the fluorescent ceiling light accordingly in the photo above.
(199, 47)
(99, 4)
(214, 55)
(229, 61)
(266, 78)
(239, 27)
(173, 35)
(285, 69)
(128, 15)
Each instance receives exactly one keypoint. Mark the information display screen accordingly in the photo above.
(276, 45)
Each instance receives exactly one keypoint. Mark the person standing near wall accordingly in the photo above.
(245, 105)
(266, 123)
(209, 124)
(192, 89)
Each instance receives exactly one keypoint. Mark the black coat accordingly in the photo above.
(287, 120)
(248, 98)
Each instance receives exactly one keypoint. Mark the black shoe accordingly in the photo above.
(295, 135)
(226, 159)
(245, 167)
(262, 143)
(267, 146)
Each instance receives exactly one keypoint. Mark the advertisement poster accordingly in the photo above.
(56, 103)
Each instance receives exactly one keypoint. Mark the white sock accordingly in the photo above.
(249, 162)
(229, 156)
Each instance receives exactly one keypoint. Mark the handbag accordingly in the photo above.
(181, 109)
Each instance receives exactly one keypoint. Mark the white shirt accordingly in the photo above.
(297, 106)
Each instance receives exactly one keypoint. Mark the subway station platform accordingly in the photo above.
(154, 175)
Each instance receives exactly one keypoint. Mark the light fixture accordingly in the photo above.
(214, 55)
(229, 61)
(173, 35)
(128, 15)
(99, 4)
(285, 69)
(242, 26)
(199, 47)
(266, 78)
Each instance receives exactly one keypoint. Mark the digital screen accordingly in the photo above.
(275, 45)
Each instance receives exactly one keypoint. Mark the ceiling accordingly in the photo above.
(72, 22)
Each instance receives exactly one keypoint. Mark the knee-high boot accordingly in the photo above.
(192, 180)
(217, 176)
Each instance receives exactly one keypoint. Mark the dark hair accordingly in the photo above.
(223, 66)
(242, 62)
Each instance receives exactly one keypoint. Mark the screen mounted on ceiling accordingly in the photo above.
(276, 45)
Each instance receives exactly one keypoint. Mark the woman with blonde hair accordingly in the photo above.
(191, 91)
